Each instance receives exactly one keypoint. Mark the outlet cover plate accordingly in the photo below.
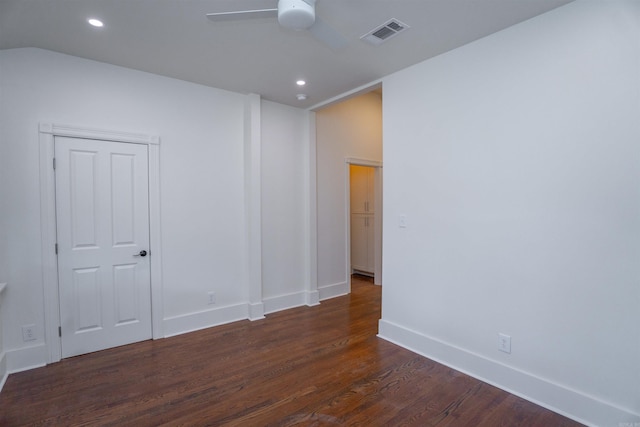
(29, 333)
(504, 343)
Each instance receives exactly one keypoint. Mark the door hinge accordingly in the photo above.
(56, 249)
(54, 163)
(59, 331)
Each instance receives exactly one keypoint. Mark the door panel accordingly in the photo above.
(360, 230)
(86, 290)
(126, 297)
(123, 184)
(102, 214)
(83, 198)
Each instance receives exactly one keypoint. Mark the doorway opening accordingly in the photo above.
(364, 217)
(347, 131)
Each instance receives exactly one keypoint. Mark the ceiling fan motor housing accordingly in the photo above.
(296, 14)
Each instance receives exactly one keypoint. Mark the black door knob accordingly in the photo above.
(141, 253)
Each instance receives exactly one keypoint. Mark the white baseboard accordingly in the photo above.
(284, 302)
(3, 369)
(256, 311)
(312, 298)
(23, 359)
(204, 319)
(570, 403)
(332, 291)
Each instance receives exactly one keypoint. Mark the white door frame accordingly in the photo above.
(47, 134)
(377, 273)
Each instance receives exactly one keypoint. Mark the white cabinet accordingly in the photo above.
(362, 192)
(362, 243)
(362, 203)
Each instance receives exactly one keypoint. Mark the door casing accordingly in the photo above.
(47, 134)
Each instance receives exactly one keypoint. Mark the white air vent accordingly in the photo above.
(384, 32)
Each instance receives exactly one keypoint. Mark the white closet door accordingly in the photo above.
(359, 231)
(102, 211)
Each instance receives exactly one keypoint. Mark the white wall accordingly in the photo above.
(4, 248)
(352, 128)
(4, 179)
(283, 205)
(517, 162)
(201, 131)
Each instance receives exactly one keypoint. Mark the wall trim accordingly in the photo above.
(253, 203)
(4, 373)
(26, 358)
(47, 134)
(369, 87)
(22, 359)
(311, 213)
(99, 134)
(334, 290)
(256, 311)
(284, 302)
(191, 322)
(312, 298)
(363, 162)
(573, 404)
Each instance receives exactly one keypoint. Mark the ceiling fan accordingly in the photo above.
(292, 14)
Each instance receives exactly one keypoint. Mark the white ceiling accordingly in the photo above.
(174, 38)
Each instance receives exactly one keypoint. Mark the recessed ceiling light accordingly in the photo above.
(95, 22)
(301, 83)
(301, 96)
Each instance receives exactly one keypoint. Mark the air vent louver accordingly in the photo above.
(384, 32)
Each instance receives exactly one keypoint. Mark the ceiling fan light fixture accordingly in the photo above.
(296, 14)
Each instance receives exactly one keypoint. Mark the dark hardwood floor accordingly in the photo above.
(308, 366)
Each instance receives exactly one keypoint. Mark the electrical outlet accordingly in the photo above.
(504, 343)
(29, 333)
(212, 298)
(402, 221)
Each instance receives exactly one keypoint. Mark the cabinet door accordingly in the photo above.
(359, 250)
(371, 192)
(361, 178)
(371, 253)
(362, 243)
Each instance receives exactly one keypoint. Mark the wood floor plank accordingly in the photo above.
(308, 366)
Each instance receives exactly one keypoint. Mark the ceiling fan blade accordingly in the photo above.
(327, 35)
(242, 14)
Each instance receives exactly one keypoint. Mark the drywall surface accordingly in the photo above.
(4, 226)
(516, 160)
(283, 200)
(202, 179)
(4, 244)
(350, 129)
(201, 166)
